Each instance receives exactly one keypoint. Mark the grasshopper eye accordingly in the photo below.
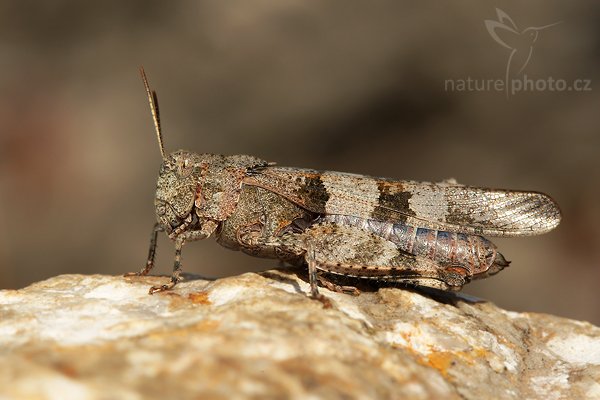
(167, 167)
(184, 167)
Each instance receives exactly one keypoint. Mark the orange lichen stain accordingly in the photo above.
(480, 352)
(66, 369)
(443, 361)
(419, 357)
(472, 356)
(406, 336)
(199, 298)
(176, 301)
(208, 325)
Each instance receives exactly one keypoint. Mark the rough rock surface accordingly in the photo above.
(259, 336)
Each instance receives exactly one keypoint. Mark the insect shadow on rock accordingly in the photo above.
(415, 233)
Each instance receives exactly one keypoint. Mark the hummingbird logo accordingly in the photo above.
(519, 42)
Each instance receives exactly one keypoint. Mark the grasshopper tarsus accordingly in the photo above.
(322, 299)
(162, 288)
(351, 290)
(143, 272)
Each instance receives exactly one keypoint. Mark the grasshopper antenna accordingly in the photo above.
(153, 100)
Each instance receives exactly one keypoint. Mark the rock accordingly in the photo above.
(259, 336)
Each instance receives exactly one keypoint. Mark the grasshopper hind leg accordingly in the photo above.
(353, 252)
(351, 290)
(314, 279)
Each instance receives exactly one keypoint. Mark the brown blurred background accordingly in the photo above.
(340, 85)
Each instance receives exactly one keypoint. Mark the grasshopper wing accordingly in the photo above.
(443, 206)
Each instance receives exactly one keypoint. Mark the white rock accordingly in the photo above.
(253, 336)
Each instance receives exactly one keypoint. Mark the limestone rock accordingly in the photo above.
(259, 336)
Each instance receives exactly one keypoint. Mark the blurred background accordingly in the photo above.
(338, 85)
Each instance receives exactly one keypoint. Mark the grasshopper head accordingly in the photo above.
(178, 180)
(176, 190)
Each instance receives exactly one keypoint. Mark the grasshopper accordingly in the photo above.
(415, 233)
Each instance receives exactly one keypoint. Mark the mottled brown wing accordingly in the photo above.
(442, 206)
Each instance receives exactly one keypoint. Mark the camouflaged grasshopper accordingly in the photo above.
(417, 233)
